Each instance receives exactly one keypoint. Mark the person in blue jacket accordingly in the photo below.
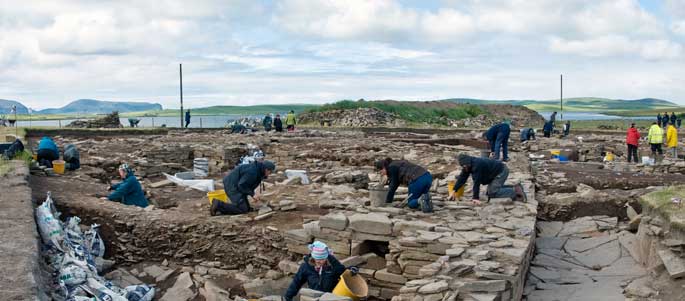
(547, 129)
(240, 183)
(47, 152)
(485, 171)
(320, 270)
(498, 137)
(128, 191)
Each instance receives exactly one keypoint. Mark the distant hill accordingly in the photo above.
(98, 106)
(6, 107)
(238, 110)
(581, 104)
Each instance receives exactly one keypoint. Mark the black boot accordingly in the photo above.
(214, 208)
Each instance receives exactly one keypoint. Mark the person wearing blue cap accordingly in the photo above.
(240, 183)
(320, 270)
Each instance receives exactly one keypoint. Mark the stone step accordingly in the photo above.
(674, 264)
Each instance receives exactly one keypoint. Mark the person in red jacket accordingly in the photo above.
(632, 138)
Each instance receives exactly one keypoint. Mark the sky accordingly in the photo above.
(247, 52)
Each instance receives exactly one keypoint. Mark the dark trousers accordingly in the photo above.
(503, 143)
(74, 164)
(632, 153)
(656, 148)
(187, 122)
(547, 134)
(419, 187)
(497, 189)
(46, 156)
(291, 128)
(237, 205)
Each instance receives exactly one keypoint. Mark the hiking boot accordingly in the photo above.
(520, 193)
(214, 208)
(425, 203)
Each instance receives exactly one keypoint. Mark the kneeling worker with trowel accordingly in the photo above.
(240, 183)
(320, 270)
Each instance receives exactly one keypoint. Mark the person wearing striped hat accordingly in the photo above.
(320, 270)
(128, 191)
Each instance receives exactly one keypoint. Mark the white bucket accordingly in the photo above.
(647, 161)
(377, 195)
(296, 173)
(201, 167)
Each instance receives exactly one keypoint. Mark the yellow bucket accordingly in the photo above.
(351, 286)
(58, 166)
(217, 194)
(459, 193)
(609, 156)
(555, 152)
(35, 157)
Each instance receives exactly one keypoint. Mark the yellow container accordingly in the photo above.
(555, 152)
(58, 166)
(459, 193)
(217, 194)
(609, 156)
(35, 157)
(351, 286)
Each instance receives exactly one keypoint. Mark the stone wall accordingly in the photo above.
(20, 275)
(408, 255)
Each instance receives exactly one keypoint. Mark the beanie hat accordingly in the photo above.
(319, 250)
(125, 168)
(269, 165)
(464, 159)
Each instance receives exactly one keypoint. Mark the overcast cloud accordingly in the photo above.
(244, 52)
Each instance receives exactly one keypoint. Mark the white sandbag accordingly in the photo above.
(93, 241)
(73, 231)
(140, 293)
(48, 225)
(102, 292)
(296, 173)
(72, 275)
(202, 185)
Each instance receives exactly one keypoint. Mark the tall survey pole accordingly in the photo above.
(180, 77)
(561, 97)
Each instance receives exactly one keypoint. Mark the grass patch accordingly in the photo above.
(416, 114)
(660, 202)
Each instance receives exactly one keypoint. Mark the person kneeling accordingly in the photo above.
(489, 172)
(240, 183)
(128, 191)
(320, 270)
(417, 178)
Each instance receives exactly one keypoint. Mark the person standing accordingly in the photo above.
(678, 122)
(290, 121)
(498, 138)
(553, 118)
(656, 138)
(658, 119)
(547, 129)
(485, 171)
(240, 183)
(187, 118)
(567, 128)
(267, 122)
(417, 178)
(673, 118)
(672, 139)
(632, 140)
(278, 123)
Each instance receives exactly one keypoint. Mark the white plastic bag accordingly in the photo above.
(72, 275)
(49, 226)
(94, 243)
(202, 185)
(102, 292)
(73, 231)
(295, 173)
(140, 293)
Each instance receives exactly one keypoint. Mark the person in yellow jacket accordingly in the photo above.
(672, 140)
(656, 138)
(290, 121)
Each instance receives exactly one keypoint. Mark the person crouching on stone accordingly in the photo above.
(320, 270)
(485, 171)
(128, 191)
(240, 183)
(418, 179)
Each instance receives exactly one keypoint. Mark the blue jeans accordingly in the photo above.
(419, 187)
(502, 142)
(497, 189)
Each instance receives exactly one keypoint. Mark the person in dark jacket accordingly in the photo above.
(527, 134)
(658, 119)
(678, 122)
(567, 128)
(485, 171)
(498, 137)
(553, 118)
(320, 270)
(547, 129)
(240, 183)
(267, 121)
(47, 152)
(187, 118)
(632, 140)
(673, 118)
(416, 177)
(14, 149)
(278, 123)
(72, 157)
(128, 192)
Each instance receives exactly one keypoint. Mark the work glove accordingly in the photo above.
(353, 271)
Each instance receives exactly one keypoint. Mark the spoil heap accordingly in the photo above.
(110, 121)
(362, 117)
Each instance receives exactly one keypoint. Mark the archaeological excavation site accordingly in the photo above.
(587, 229)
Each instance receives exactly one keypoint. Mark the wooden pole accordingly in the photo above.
(180, 77)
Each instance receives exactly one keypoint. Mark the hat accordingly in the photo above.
(269, 165)
(125, 168)
(464, 159)
(319, 250)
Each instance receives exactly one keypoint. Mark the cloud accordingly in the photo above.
(608, 46)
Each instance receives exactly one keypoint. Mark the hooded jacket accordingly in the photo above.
(483, 171)
(307, 273)
(290, 119)
(278, 123)
(129, 192)
(267, 122)
(402, 172)
(656, 134)
(498, 130)
(243, 180)
(548, 127)
(671, 136)
(632, 137)
(47, 144)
